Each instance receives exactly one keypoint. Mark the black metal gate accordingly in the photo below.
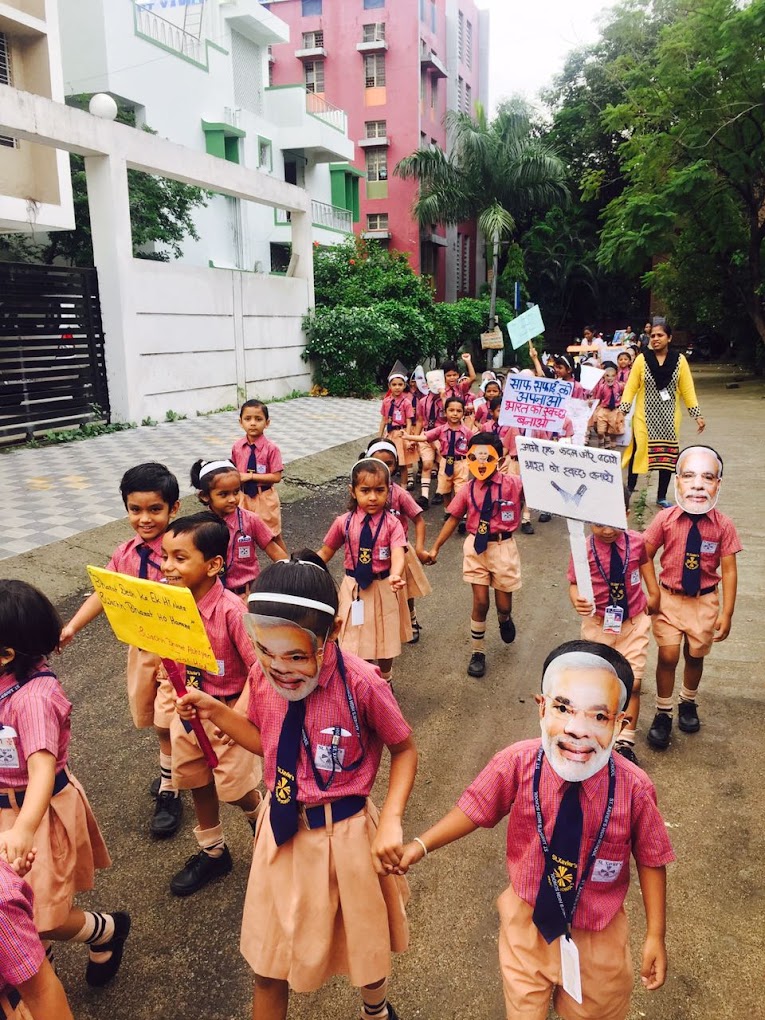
(52, 366)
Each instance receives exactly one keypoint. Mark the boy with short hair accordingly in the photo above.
(620, 616)
(193, 554)
(696, 540)
(150, 494)
(575, 814)
(492, 502)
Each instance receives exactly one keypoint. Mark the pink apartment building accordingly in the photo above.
(395, 67)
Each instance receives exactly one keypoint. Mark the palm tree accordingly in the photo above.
(498, 173)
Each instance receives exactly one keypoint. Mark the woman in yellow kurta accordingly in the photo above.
(659, 380)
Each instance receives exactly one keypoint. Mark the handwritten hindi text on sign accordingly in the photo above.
(156, 617)
(573, 481)
(535, 403)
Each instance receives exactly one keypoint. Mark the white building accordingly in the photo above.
(196, 72)
(35, 184)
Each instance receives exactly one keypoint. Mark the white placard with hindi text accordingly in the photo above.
(590, 376)
(533, 402)
(525, 327)
(578, 482)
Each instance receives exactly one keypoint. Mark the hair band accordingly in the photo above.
(291, 600)
(215, 465)
(397, 375)
(383, 446)
(365, 460)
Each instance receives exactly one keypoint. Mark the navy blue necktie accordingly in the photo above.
(611, 398)
(363, 572)
(617, 580)
(692, 559)
(564, 851)
(251, 488)
(482, 531)
(449, 469)
(284, 802)
(144, 553)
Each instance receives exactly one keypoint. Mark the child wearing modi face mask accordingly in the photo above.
(318, 903)
(575, 814)
(492, 502)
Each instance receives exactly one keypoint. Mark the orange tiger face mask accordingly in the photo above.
(482, 462)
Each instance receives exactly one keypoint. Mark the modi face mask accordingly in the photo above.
(698, 480)
(289, 655)
(482, 461)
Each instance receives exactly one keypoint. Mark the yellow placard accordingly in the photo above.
(157, 617)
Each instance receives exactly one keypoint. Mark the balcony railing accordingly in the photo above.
(323, 215)
(158, 30)
(319, 107)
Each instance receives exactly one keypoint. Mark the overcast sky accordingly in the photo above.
(530, 41)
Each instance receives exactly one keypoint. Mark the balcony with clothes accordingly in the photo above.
(309, 124)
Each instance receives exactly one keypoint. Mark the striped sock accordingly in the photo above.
(627, 736)
(97, 929)
(477, 634)
(375, 1002)
(425, 483)
(664, 705)
(686, 695)
(211, 840)
(166, 775)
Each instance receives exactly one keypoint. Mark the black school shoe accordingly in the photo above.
(392, 1014)
(477, 664)
(198, 870)
(544, 517)
(688, 717)
(99, 974)
(626, 750)
(660, 732)
(154, 786)
(462, 527)
(437, 499)
(168, 813)
(415, 634)
(507, 630)
(527, 528)
(423, 502)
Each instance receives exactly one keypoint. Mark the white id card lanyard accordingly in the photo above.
(357, 613)
(569, 954)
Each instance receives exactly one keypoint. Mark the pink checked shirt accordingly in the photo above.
(507, 495)
(246, 530)
(39, 716)
(636, 600)
(398, 412)
(430, 410)
(481, 414)
(380, 721)
(440, 435)
(222, 613)
(602, 392)
(669, 529)
(125, 559)
(391, 537)
(268, 455)
(403, 507)
(21, 952)
(636, 826)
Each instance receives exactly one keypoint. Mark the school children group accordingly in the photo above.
(303, 703)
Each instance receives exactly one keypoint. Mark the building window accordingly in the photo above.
(460, 94)
(265, 154)
(5, 79)
(314, 75)
(468, 100)
(458, 264)
(374, 70)
(377, 221)
(313, 40)
(376, 128)
(433, 22)
(311, 7)
(280, 257)
(422, 10)
(372, 5)
(433, 93)
(461, 37)
(468, 44)
(377, 164)
(466, 267)
(374, 32)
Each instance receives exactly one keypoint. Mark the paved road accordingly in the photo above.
(182, 960)
(60, 491)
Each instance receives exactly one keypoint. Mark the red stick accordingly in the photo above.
(176, 679)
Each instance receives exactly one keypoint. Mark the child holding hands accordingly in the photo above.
(323, 896)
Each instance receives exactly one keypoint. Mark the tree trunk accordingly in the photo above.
(494, 274)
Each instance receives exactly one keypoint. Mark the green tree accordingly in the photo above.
(692, 120)
(161, 212)
(499, 173)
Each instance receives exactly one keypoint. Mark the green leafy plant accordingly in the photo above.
(347, 346)
(171, 415)
(148, 421)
